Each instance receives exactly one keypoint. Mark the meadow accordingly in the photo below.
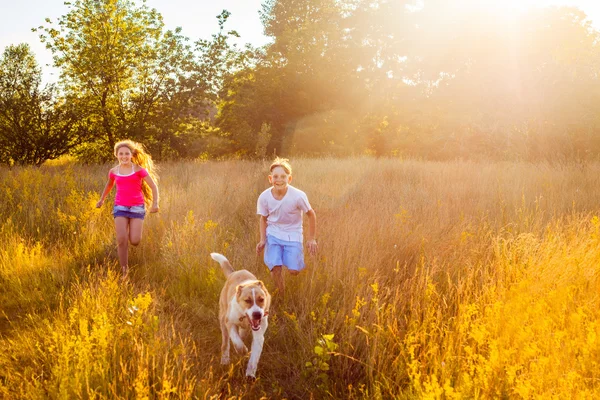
(434, 280)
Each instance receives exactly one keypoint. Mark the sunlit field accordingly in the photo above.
(433, 280)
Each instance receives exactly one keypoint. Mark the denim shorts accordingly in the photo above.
(129, 211)
(282, 252)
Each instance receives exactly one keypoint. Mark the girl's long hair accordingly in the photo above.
(140, 157)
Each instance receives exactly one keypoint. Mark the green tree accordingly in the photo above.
(119, 65)
(248, 99)
(299, 75)
(331, 65)
(35, 125)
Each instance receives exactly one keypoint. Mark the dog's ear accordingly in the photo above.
(267, 297)
(238, 291)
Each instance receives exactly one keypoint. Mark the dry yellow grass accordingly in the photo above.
(433, 280)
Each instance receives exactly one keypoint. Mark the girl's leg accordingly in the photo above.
(135, 230)
(121, 227)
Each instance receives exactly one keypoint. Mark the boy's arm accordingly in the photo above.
(311, 243)
(262, 226)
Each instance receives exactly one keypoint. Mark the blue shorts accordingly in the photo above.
(282, 252)
(129, 211)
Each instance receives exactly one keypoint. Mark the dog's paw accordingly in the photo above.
(250, 378)
(225, 360)
(250, 372)
(241, 349)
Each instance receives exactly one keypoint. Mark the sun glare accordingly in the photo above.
(502, 11)
(504, 7)
(519, 6)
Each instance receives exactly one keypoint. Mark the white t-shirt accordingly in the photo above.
(284, 217)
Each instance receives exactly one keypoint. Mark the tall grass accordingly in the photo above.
(433, 280)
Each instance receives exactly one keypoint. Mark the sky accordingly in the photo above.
(197, 19)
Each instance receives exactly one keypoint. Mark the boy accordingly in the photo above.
(280, 208)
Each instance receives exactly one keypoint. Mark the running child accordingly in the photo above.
(281, 208)
(136, 188)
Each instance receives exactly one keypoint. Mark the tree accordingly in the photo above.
(301, 74)
(332, 63)
(118, 64)
(35, 126)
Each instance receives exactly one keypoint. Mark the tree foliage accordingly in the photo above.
(436, 79)
(35, 125)
(121, 66)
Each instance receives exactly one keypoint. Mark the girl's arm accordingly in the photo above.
(148, 179)
(107, 189)
(311, 243)
(262, 226)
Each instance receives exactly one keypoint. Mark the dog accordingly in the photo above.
(243, 306)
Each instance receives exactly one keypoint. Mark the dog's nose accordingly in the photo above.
(256, 315)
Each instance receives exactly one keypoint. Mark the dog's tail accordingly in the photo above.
(225, 264)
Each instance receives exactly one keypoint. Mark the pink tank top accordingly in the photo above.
(129, 188)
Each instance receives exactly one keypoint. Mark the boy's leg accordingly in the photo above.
(293, 257)
(293, 260)
(274, 260)
(121, 228)
(277, 274)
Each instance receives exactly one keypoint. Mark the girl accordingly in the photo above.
(136, 188)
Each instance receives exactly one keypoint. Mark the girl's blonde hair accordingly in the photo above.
(140, 157)
(283, 163)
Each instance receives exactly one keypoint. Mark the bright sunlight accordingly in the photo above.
(507, 8)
